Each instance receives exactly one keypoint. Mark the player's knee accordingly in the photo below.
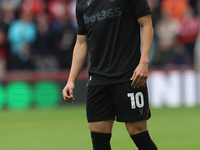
(133, 131)
(136, 127)
(101, 127)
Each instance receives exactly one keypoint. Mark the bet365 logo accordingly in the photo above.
(102, 15)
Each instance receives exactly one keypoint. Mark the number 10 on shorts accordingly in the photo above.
(136, 99)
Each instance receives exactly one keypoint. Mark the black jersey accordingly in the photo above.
(113, 36)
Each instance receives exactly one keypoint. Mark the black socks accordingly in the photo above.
(143, 141)
(101, 141)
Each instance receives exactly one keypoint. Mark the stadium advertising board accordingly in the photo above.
(173, 88)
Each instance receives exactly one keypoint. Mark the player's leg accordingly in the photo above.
(101, 134)
(140, 135)
(100, 115)
(136, 127)
(132, 107)
(101, 126)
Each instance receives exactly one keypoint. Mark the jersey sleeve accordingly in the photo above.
(81, 30)
(140, 8)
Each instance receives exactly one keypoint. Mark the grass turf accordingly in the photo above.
(66, 128)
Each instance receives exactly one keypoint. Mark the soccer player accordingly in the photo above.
(110, 31)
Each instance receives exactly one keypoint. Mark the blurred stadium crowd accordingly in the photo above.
(40, 34)
(36, 34)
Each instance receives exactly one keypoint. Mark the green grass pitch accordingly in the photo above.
(65, 128)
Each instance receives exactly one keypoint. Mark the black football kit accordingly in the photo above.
(113, 36)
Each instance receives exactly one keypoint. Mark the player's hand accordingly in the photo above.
(68, 92)
(140, 76)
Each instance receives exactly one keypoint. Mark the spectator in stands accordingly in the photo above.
(189, 29)
(21, 35)
(65, 35)
(43, 46)
(56, 8)
(175, 7)
(8, 13)
(35, 6)
(166, 31)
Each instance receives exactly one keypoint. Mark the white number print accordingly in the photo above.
(136, 100)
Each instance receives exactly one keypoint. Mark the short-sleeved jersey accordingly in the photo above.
(113, 36)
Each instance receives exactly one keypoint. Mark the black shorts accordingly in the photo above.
(117, 101)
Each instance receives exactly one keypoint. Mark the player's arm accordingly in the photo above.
(79, 57)
(140, 74)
